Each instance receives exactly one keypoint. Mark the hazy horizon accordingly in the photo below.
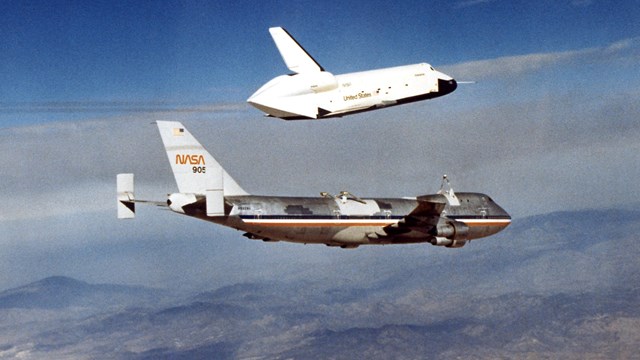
(551, 124)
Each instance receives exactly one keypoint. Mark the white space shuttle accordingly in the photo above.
(313, 93)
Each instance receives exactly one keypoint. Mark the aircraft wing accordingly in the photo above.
(294, 55)
(423, 218)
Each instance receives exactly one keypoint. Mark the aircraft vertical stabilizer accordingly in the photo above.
(195, 170)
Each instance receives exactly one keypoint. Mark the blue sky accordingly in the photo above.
(79, 56)
(551, 125)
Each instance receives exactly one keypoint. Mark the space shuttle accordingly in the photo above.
(311, 92)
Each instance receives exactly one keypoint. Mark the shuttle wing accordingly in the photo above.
(294, 55)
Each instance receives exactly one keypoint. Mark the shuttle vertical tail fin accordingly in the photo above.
(196, 171)
(294, 55)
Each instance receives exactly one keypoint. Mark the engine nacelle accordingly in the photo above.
(454, 230)
(177, 201)
(322, 81)
(440, 241)
(307, 83)
(295, 85)
(453, 234)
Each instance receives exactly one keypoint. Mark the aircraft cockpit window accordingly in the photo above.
(432, 69)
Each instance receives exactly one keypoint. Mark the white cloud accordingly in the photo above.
(66, 168)
(535, 153)
(518, 65)
(114, 106)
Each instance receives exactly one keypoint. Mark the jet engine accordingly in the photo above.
(440, 241)
(177, 201)
(321, 81)
(451, 234)
(281, 87)
(305, 83)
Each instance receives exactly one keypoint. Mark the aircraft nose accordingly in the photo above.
(446, 86)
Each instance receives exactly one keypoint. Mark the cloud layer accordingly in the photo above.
(518, 65)
(533, 150)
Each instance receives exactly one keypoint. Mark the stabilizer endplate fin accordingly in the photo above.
(125, 196)
(294, 55)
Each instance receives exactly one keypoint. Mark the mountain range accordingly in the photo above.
(560, 285)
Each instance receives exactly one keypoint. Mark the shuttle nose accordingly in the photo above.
(446, 86)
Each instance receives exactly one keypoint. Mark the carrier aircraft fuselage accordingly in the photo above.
(208, 192)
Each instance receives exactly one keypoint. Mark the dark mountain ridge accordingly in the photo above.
(58, 292)
(560, 285)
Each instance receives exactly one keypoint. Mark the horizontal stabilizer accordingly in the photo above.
(294, 55)
(126, 199)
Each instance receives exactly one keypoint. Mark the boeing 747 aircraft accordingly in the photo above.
(207, 192)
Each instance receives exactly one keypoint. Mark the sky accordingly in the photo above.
(551, 124)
